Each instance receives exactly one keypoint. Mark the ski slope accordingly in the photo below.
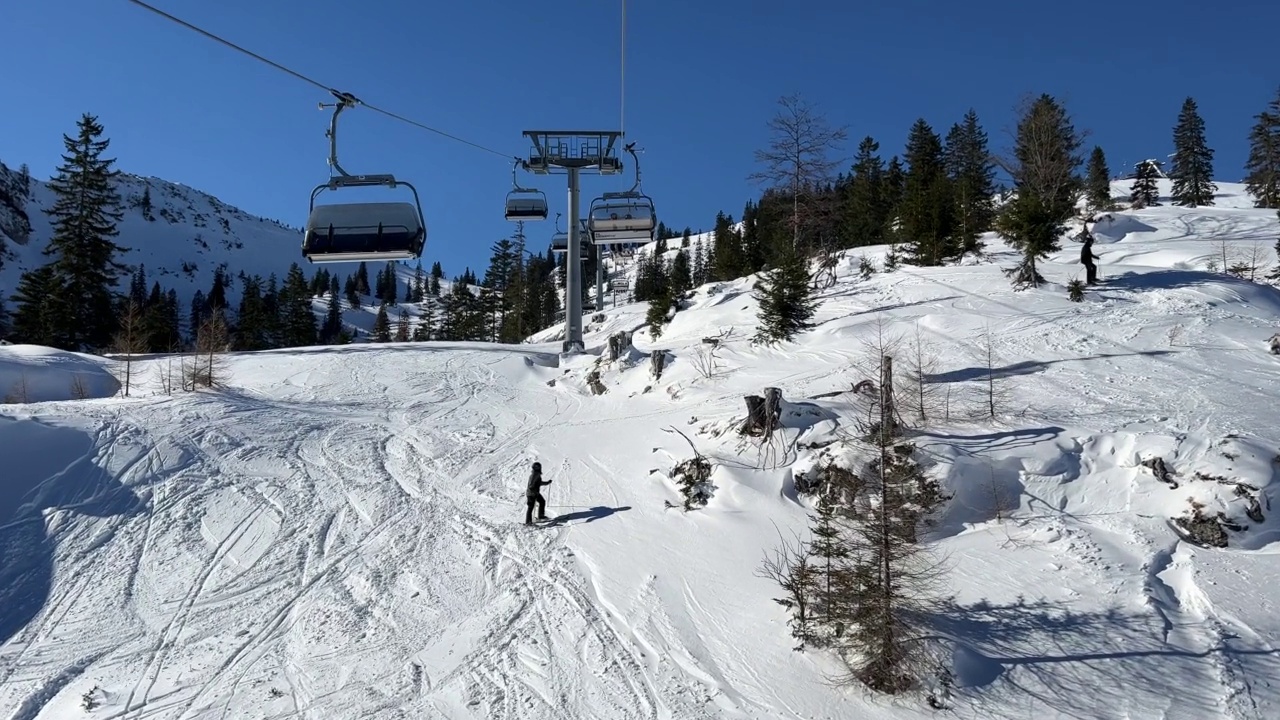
(338, 532)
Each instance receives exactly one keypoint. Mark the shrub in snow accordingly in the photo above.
(1075, 290)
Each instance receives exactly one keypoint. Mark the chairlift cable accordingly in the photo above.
(306, 79)
(622, 74)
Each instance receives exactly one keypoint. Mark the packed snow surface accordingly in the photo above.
(338, 532)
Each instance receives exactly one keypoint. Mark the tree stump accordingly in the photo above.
(657, 361)
(755, 423)
(772, 409)
(618, 344)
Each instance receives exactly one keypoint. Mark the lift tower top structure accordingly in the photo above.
(573, 151)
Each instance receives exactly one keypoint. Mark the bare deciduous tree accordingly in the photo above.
(920, 365)
(131, 338)
(789, 565)
(212, 338)
(799, 161)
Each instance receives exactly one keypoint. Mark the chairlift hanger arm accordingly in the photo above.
(345, 100)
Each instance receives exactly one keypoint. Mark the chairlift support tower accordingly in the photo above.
(573, 151)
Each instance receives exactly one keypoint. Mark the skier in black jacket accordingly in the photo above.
(534, 494)
(1087, 257)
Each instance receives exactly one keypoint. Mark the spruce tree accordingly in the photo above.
(1044, 173)
(925, 210)
(1098, 184)
(1263, 166)
(864, 203)
(968, 163)
(1192, 169)
(252, 325)
(1144, 192)
(332, 327)
(784, 296)
(681, 276)
(33, 318)
(895, 180)
(402, 326)
(82, 251)
(4, 318)
(382, 325)
(297, 322)
(362, 279)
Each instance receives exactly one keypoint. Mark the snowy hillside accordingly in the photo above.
(184, 236)
(338, 533)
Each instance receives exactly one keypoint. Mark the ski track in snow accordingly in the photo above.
(339, 532)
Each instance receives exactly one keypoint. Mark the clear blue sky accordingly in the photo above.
(702, 79)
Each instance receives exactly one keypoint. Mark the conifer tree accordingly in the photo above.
(865, 201)
(1098, 184)
(784, 296)
(402, 326)
(252, 325)
(972, 174)
(382, 325)
(332, 327)
(1263, 165)
(33, 319)
(362, 279)
(681, 277)
(81, 285)
(659, 307)
(1192, 169)
(4, 318)
(895, 182)
(297, 322)
(926, 201)
(1043, 168)
(1144, 192)
(146, 203)
(425, 330)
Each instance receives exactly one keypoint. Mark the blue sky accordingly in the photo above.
(702, 79)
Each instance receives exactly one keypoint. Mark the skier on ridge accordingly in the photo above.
(534, 495)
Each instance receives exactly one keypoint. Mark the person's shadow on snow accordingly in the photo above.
(589, 515)
(45, 467)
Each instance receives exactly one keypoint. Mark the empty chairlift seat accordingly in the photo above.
(526, 205)
(618, 218)
(354, 232)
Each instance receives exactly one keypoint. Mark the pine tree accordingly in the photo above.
(362, 279)
(216, 300)
(972, 174)
(681, 277)
(84, 265)
(786, 305)
(4, 319)
(865, 205)
(1192, 169)
(146, 203)
(1263, 166)
(1044, 174)
(1098, 184)
(381, 325)
(895, 181)
(297, 322)
(1144, 192)
(425, 330)
(925, 211)
(33, 319)
(332, 326)
(402, 326)
(252, 324)
(659, 308)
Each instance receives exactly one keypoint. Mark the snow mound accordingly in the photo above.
(32, 373)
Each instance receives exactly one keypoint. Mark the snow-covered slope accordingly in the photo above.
(338, 532)
(186, 235)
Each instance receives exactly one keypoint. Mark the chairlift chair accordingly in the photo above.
(364, 231)
(623, 217)
(525, 203)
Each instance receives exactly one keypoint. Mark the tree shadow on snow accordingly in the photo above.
(586, 516)
(1026, 367)
(1080, 664)
(46, 467)
(1177, 278)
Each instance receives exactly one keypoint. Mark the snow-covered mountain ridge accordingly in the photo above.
(181, 239)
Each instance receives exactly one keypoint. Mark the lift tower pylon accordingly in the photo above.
(571, 152)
